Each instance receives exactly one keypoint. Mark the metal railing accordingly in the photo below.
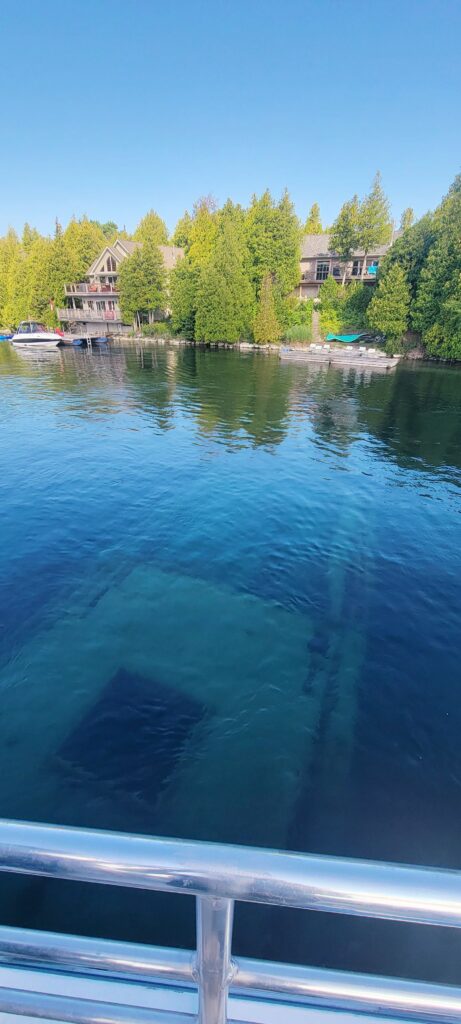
(217, 876)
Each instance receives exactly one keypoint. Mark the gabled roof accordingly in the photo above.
(110, 251)
(171, 254)
(316, 246)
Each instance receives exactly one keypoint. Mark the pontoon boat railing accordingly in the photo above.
(217, 876)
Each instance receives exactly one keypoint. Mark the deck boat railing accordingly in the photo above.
(217, 875)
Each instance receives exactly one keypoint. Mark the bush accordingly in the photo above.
(159, 329)
(299, 332)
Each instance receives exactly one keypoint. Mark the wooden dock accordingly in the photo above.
(360, 358)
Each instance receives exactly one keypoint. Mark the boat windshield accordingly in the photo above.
(30, 327)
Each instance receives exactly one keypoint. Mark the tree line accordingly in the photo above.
(240, 271)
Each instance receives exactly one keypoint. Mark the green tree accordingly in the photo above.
(388, 311)
(16, 307)
(225, 297)
(109, 229)
(183, 297)
(374, 223)
(29, 236)
(142, 284)
(151, 229)
(273, 239)
(266, 327)
(438, 287)
(410, 252)
(344, 233)
(182, 232)
(83, 241)
(407, 218)
(313, 224)
(9, 246)
(204, 231)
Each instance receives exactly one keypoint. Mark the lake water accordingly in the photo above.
(230, 597)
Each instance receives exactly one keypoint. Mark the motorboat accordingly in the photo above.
(30, 333)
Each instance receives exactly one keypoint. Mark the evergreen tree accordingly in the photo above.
(410, 252)
(9, 246)
(151, 229)
(374, 223)
(407, 218)
(266, 327)
(142, 283)
(16, 307)
(344, 233)
(225, 296)
(182, 232)
(438, 287)
(29, 236)
(183, 297)
(389, 308)
(203, 232)
(313, 225)
(83, 241)
(273, 239)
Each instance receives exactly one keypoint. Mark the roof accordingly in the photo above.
(316, 246)
(171, 254)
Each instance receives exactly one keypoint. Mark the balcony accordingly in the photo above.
(93, 315)
(91, 289)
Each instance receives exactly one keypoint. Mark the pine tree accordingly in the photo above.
(344, 233)
(407, 218)
(151, 229)
(266, 327)
(374, 223)
(225, 296)
(313, 225)
(142, 283)
(389, 308)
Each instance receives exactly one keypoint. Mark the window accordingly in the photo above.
(111, 264)
(372, 266)
(356, 268)
(323, 270)
(111, 304)
(336, 271)
(90, 304)
(100, 306)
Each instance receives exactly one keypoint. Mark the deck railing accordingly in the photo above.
(217, 876)
(89, 314)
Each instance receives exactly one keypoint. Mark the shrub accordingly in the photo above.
(298, 332)
(159, 329)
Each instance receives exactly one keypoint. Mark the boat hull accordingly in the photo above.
(45, 340)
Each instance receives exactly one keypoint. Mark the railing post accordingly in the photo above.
(214, 966)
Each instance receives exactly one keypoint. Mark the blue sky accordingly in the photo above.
(111, 107)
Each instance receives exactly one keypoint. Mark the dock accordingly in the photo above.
(360, 358)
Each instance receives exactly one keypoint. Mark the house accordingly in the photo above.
(318, 261)
(92, 306)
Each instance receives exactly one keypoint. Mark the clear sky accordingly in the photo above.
(111, 107)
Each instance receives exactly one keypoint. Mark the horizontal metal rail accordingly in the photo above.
(218, 875)
(342, 886)
(335, 990)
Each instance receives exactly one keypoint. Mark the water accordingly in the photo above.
(229, 610)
